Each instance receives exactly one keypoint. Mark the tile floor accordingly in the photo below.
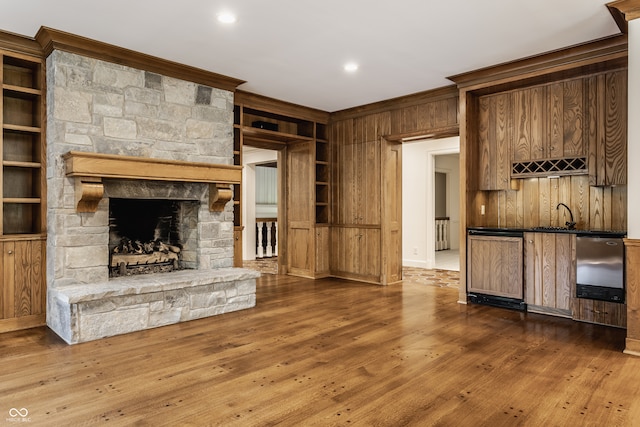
(441, 277)
(448, 260)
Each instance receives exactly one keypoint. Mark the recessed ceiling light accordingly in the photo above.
(227, 17)
(351, 67)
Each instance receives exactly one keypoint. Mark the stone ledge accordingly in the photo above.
(89, 311)
(75, 292)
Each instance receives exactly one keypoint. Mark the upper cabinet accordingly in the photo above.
(549, 121)
(575, 126)
(607, 106)
(495, 135)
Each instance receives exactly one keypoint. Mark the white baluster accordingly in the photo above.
(260, 250)
(447, 224)
(269, 250)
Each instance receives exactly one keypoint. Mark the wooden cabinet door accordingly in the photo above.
(369, 246)
(549, 265)
(369, 183)
(607, 106)
(345, 173)
(494, 139)
(356, 253)
(494, 266)
(357, 189)
(529, 139)
(601, 312)
(22, 284)
(322, 251)
(300, 209)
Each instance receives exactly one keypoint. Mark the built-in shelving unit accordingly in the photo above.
(22, 175)
(22, 192)
(237, 188)
(322, 174)
(301, 137)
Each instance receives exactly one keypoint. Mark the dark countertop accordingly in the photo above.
(589, 232)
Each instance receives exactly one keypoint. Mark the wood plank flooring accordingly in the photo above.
(331, 353)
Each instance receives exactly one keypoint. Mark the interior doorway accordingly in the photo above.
(447, 211)
(418, 201)
(260, 181)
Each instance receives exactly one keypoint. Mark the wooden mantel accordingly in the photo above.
(90, 168)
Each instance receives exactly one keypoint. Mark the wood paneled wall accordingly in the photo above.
(366, 237)
(534, 204)
(432, 114)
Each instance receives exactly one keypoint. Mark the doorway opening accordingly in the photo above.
(260, 198)
(421, 160)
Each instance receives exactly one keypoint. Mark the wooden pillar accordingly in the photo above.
(628, 11)
(632, 345)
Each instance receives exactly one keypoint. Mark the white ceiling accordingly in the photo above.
(294, 50)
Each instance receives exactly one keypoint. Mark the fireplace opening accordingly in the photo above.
(148, 235)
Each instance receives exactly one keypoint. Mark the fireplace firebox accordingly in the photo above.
(146, 236)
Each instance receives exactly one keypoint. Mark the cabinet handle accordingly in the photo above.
(530, 241)
(10, 252)
(553, 148)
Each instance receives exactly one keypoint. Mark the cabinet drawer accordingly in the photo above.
(601, 312)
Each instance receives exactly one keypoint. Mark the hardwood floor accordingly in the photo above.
(331, 352)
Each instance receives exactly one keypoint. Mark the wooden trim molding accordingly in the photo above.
(90, 168)
(632, 345)
(435, 133)
(51, 39)
(624, 11)
(20, 44)
(276, 106)
(591, 54)
(446, 92)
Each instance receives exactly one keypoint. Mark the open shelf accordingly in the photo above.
(322, 187)
(22, 174)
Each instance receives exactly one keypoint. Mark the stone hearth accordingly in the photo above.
(128, 304)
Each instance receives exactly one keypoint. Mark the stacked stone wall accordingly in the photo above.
(100, 107)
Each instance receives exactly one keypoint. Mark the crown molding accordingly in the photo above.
(276, 106)
(624, 11)
(586, 56)
(51, 39)
(446, 92)
(20, 44)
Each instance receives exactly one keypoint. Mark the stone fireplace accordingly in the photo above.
(121, 139)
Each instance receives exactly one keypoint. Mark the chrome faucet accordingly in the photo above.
(570, 224)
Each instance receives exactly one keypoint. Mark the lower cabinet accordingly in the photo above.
(549, 271)
(22, 284)
(494, 265)
(601, 312)
(356, 253)
(322, 251)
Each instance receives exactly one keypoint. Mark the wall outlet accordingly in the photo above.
(482, 210)
(415, 251)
